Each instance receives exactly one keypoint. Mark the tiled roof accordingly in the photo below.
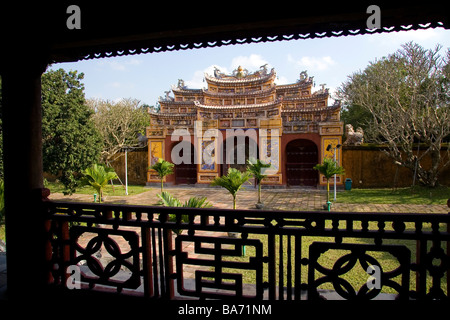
(174, 115)
(246, 80)
(268, 91)
(244, 106)
(335, 106)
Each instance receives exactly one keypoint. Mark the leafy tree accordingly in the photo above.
(256, 169)
(120, 124)
(98, 176)
(407, 96)
(329, 168)
(357, 116)
(70, 140)
(163, 168)
(233, 182)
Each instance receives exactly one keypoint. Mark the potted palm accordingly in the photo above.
(233, 182)
(162, 168)
(256, 169)
(98, 176)
(329, 168)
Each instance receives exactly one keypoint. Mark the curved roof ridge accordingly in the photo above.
(270, 90)
(241, 76)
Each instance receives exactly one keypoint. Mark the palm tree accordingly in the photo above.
(163, 168)
(194, 202)
(329, 168)
(98, 176)
(256, 169)
(233, 181)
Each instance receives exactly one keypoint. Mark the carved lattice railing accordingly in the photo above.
(277, 255)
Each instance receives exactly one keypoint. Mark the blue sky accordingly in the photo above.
(330, 61)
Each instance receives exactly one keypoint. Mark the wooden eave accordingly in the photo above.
(259, 106)
(187, 91)
(173, 103)
(233, 82)
(39, 31)
(314, 97)
(299, 85)
(259, 93)
(174, 115)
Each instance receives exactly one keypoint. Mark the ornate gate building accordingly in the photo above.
(240, 116)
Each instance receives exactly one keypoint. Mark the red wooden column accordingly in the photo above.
(22, 149)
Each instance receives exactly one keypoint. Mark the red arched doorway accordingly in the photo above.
(186, 171)
(301, 157)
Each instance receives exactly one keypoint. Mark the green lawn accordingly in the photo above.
(416, 195)
(116, 190)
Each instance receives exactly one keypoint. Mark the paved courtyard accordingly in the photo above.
(274, 199)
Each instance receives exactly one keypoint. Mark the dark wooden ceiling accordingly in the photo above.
(129, 27)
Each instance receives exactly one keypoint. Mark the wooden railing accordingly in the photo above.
(133, 250)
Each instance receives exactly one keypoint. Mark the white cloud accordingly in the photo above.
(282, 80)
(251, 62)
(120, 85)
(331, 90)
(115, 84)
(312, 63)
(133, 62)
(395, 39)
(197, 81)
(119, 65)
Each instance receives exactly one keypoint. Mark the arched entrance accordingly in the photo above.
(186, 172)
(240, 151)
(301, 157)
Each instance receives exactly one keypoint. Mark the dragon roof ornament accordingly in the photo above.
(240, 75)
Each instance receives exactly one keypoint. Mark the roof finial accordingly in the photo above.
(303, 75)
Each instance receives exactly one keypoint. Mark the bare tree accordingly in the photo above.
(120, 124)
(408, 95)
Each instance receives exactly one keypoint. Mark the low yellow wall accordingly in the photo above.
(368, 167)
